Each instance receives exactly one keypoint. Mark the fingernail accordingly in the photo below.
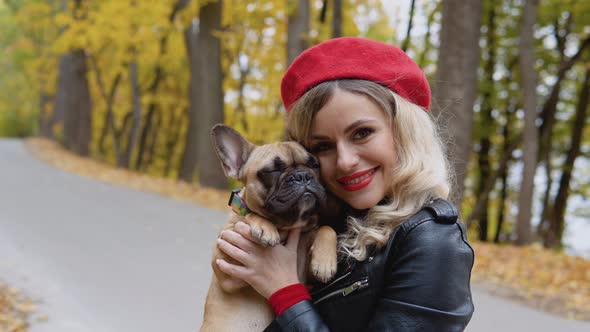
(218, 261)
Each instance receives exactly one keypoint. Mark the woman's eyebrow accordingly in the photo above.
(348, 128)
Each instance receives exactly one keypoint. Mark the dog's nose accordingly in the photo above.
(300, 176)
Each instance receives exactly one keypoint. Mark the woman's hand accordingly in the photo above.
(266, 269)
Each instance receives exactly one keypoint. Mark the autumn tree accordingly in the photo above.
(529, 87)
(485, 121)
(456, 83)
(297, 28)
(568, 29)
(189, 156)
(73, 95)
(578, 124)
(406, 42)
(210, 97)
(337, 11)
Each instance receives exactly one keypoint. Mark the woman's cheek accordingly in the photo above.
(324, 169)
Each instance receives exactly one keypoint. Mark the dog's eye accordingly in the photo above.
(269, 176)
(269, 172)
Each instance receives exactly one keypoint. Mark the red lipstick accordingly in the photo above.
(358, 180)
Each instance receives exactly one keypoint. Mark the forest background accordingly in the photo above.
(138, 84)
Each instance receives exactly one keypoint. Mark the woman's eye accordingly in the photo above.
(363, 133)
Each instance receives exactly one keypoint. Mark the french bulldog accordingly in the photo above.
(281, 191)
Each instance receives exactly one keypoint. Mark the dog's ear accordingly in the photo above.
(232, 149)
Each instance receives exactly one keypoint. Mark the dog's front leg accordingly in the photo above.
(262, 230)
(324, 259)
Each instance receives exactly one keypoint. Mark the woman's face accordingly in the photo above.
(353, 140)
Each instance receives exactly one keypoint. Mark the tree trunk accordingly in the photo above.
(109, 98)
(502, 206)
(58, 114)
(557, 225)
(323, 11)
(406, 43)
(73, 101)
(210, 93)
(547, 213)
(109, 123)
(504, 173)
(337, 19)
(297, 30)
(550, 105)
(456, 86)
(486, 123)
(189, 156)
(152, 141)
(44, 118)
(176, 123)
(530, 142)
(136, 117)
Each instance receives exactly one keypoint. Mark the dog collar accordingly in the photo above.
(237, 203)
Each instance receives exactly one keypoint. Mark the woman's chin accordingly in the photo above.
(363, 202)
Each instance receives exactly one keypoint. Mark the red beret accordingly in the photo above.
(355, 58)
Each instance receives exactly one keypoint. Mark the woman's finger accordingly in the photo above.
(237, 240)
(232, 270)
(233, 251)
(293, 239)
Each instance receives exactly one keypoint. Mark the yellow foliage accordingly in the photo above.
(116, 33)
(15, 309)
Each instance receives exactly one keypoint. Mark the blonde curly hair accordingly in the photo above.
(420, 175)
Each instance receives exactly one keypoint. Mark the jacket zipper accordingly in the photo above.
(332, 283)
(345, 291)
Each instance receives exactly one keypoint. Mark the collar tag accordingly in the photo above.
(237, 204)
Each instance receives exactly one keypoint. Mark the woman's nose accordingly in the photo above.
(347, 158)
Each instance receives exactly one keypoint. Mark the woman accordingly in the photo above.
(361, 107)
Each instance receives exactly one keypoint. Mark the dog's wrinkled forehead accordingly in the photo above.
(278, 155)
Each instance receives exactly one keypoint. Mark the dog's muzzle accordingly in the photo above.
(298, 196)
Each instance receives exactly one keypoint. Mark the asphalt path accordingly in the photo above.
(98, 257)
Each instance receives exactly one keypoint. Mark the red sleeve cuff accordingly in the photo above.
(285, 297)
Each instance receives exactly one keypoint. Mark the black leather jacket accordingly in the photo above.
(419, 282)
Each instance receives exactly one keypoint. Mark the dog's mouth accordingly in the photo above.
(295, 202)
